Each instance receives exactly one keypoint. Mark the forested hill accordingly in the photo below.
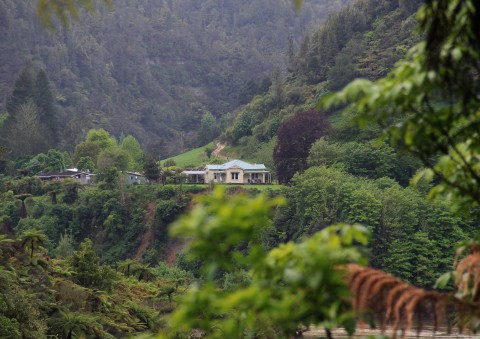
(364, 39)
(151, 68)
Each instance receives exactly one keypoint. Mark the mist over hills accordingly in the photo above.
(152, 68)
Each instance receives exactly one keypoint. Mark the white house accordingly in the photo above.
(232, 172)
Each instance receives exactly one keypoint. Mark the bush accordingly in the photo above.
(166, 192)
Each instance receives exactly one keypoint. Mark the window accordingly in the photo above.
(254, 176)
(215, 176)
(234, 175)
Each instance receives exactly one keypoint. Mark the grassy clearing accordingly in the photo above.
(194, 158)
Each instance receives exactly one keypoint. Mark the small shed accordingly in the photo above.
(134, 178)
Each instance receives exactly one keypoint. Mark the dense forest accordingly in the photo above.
(390, 161)
(151, 69)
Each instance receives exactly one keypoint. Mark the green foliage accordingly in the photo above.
(63, 10)
(269, 301)
(323, 196)
(166, 192)
(249, 223)
(53, 161)
(5, 245)
(169, 163)
(70, 192)
(431, 88)
(132, 147)
(65, 246)
(86, 163)
(160, 100)
(411, 259)
(108, 177)
(151, 169)
(26, 185)
(86, 150)
(74, 324)
(163, 271)
(45, 101)
(101, 138)
(370, 159)
(79, 295)
(32, 239)
(31, 126)
(113, 157)
(9, 328)
(88, 271)
(24, 89)
(243, 125)
(208, 129)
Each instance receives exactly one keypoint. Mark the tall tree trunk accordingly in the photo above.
(23, 210)
(54, 197)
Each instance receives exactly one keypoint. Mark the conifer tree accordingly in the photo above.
(152, 170)
(23, 90)
(46, 105)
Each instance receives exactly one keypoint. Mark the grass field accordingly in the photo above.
(194, 158)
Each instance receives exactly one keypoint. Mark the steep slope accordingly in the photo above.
(152, 68)
(364, 39)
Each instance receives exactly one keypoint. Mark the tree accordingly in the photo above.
(247, 92)
(113, 157)
(101, 138)
(25, 132)
(55, 161)
(208, 129)
(64, 10)
(86, 149)
(88, 271)
(75, 324)
(6, 245)
(243, 124)
(65, 246)
(31, 126)
(151, 169)
(437, 88)
(209, 151)
(132, 147)
(292, 284)
(53, 188)
(107, 177)
(45, 101)
(86, 164)
(23, 91)
(142, 272)
(127, 266)
(23, 208)
(295, 137)
(32, 240)
(70, 192)
(343, 72)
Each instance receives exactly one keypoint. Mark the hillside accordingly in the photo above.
(152, 68)
(363, 40)
(377, 188)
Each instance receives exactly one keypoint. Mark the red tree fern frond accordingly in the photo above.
(389, 300)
